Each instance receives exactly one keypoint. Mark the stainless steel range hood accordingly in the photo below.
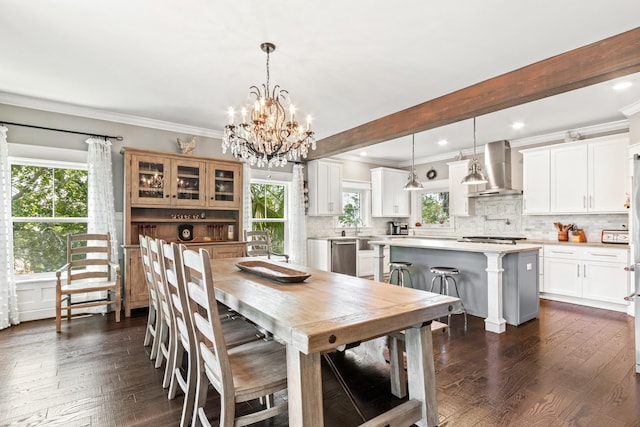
(497, 169)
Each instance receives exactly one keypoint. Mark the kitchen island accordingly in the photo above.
(497, 281)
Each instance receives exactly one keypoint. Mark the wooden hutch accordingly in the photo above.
(178, 198)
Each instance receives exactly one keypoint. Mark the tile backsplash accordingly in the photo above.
(501, 216)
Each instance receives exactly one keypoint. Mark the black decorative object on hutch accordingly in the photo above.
(193, 200)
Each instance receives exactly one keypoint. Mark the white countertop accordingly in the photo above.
(452, 245)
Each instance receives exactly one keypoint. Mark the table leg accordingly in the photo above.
(304, 383)
(422, 373)
(396, 366)
(494, 321)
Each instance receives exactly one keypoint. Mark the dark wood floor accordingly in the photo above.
(571, 367)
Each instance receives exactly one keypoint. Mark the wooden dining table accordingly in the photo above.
(328, 310)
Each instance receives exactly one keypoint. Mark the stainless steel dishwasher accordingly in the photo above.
(343, 256)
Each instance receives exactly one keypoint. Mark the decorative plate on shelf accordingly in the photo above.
(273, 271)
(185, 232)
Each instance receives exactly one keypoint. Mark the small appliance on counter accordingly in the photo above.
(396, 228)
(615, 236)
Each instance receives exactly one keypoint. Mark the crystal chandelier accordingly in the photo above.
(271, 137)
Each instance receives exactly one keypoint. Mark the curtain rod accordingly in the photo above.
(118, 138)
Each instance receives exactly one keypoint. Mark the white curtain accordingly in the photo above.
(101, 210)
(246, 194)
(8, 296)
(298, 231)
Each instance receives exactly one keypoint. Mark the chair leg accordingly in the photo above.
(151, 319)
(58, 309)
(190, 392)
(171, 354)
(161, 337)
(464, 310)
(202, 385)
(118, 304)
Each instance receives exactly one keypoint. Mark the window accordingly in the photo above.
(435, 208)
(268, 211)
(355, 205)
(432, 205)
(48, 201)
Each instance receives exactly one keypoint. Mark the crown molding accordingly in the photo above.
(632, 109)
(94, 113)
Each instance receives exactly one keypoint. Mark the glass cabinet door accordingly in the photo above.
(189, 182)
(225, 186)
(150, 178)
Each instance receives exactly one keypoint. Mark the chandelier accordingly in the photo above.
(270, 137)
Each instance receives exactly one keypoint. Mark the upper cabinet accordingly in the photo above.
(583, 177)
(224, 182)
(325, 187)
(388, 197)
(536, 176)
(459, 203)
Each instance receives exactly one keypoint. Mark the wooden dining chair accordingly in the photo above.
(88, 269)
(153, 320)
(166, 327)
(236, 332)
(259, 244)
(255, 370)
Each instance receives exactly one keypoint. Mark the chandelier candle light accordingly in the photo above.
(269, 138)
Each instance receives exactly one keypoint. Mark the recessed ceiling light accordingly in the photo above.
(443, 142)
(517, 125)
(363, 153)
(622, 85)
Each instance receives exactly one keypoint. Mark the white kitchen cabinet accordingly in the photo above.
(388, 197)
(592, 275)
(589, 176)
(319, 254)
(608, 174)
(459, 203)
(535, 182)
(569, 173)
(367, 262)
(325, 188)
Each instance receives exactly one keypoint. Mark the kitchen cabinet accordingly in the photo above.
(536, 182)
(459, 202)
(583, 177)
(367, 262)
(167, 193)
(325, 187)
(388, 197)
(592, 275)
(163, 181)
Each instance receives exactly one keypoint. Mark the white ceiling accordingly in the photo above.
(343, 62)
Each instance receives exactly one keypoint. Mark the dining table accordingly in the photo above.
(313, 312)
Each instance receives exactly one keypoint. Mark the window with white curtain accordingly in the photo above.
(269, 210)
(48, 201)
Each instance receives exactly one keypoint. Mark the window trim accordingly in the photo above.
(48, 157)
(440, 185)
(364, 188)
(286, 219)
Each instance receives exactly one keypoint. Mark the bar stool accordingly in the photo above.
(400, 268)
(445, 274)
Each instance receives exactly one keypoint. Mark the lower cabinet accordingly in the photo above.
(135, 291)
(367, 262)
(592, 274)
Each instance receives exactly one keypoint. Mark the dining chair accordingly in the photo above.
(259, 244)
(88, 269)
(255, 370)
(166, 330)
(153, 319)
(236, 332)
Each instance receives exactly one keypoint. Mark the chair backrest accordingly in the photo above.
(159, 276)
(258, 243)
(146, 270)
(88, 256)
(203, 309)
(177, 293)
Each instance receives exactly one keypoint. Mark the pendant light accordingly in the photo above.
(475, 176)
(413, 183)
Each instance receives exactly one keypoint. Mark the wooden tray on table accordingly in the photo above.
(273, 271)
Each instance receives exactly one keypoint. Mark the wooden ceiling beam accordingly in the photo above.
(594, 63)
